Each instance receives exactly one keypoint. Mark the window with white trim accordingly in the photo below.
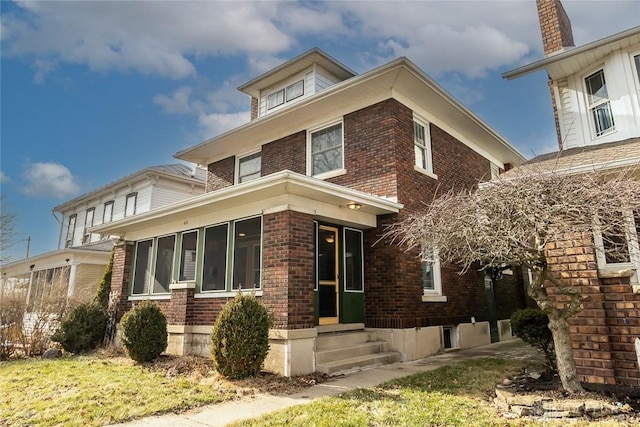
(88, 223)
(130, 204)
(619, 247)
(286, 94)
(188, 256)
(249, 167)
(71, 230)
(431, 282)
(107, 213)
(422, 145)
(599, 103)
(326, 150)
(636, 61)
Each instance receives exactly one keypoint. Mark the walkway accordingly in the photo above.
(254, 406)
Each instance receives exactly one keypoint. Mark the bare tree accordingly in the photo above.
(8, 221)
(519, 221)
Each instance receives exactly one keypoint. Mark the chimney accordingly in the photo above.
(554, 26)
(254, 108)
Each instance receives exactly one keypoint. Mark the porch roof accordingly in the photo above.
(277, 192)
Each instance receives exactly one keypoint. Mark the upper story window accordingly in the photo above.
(422, 146)
(88, 223)
(636, 60)
(71, 230)
(107, 213)
(130, 204)
(599, 103)
(326, 150)
(286, 94)
(249, 167)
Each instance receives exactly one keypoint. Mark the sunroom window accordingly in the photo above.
(214, 274)
(599, 103)
(247, 253)
(188, 253)
(326, 150)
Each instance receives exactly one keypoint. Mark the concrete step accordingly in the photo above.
(363, 349)
(336, 367)
(343, 339)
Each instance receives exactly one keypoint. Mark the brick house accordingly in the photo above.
(595, 91)
(296, 202)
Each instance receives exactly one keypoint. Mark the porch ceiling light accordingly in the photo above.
(354, 206)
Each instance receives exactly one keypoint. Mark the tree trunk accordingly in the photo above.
(564, 353)
(559, 327)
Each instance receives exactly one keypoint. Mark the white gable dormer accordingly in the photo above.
(294, 81)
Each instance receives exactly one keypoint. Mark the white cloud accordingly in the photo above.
(4, 177)
(214, 124)
(178, 102)
(49, 180)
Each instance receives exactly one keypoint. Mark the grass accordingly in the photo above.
(93, 391)
(454, 395)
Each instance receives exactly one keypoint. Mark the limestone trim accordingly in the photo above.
(182, 285)
(292, 334)
(614, 273)
(150, 297)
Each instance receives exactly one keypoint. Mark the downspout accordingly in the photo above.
(53, 212)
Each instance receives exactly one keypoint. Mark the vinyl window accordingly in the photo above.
(71, 230)
(88, 223)
(249, 167)
(599, 103)
(327, 150)
(107, 213)
(130, 204)
(422, 146)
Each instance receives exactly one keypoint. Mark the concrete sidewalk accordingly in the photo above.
(254, 406)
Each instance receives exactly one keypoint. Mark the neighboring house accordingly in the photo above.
(297, 201)
(76, 267)
(595, 92)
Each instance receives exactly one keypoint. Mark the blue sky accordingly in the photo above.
(94, 91)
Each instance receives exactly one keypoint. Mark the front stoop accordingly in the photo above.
(341, 351)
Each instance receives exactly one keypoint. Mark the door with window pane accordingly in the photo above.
(327, 275)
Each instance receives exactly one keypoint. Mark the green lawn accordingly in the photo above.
(88, 390)
(455, 395)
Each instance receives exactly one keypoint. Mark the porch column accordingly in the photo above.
(288, 290)
(120, 276)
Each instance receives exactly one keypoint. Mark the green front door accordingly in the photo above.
(339, 275)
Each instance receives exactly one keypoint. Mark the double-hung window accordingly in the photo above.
(431, 280)
(422, 146)
(88, 223)
(249, 167)
(107, 213)
(71, 230)
(326, 150)
(130, 204)
(599, 103)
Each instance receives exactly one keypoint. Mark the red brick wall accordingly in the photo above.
(555, 26)
(369, 149)
(604, 331)
(288, 269)
(221, 174)
(285, 153)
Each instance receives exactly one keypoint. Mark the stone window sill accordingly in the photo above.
(425, 172)
(434, 298)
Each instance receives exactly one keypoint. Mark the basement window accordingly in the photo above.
(449, 337)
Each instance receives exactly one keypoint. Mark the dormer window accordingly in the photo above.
(286, 94)
(599, 103)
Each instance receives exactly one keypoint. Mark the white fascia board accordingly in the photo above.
(56, 259)
(248, 199)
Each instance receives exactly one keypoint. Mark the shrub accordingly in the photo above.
(82, 329)
(240, 337)
(531, 325)
(144, 332)
(104, 287)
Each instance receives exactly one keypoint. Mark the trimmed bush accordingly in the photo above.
(240, 337)
(82, 329)
(531, 325)
(144, 332)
